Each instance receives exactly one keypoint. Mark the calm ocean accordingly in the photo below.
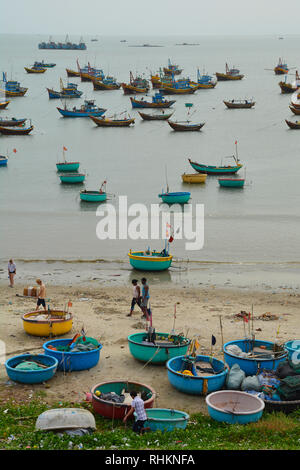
(42, 219)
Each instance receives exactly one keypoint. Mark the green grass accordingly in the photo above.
(273, 431)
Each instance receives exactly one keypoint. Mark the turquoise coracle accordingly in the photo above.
(157, 353)
(164, 419)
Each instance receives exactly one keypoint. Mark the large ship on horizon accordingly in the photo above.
(67, 45)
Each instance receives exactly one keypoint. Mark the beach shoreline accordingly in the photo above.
(102, 310)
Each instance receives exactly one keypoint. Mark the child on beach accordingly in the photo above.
(12, 270)
(136, 297)
(41, 295)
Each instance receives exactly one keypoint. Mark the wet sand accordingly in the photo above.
(102, 311)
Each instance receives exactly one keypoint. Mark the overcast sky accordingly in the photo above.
(150, 17)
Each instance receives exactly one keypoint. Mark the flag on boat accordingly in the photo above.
(15, 150)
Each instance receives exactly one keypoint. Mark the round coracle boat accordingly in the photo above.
(161, 350)
(49, 323)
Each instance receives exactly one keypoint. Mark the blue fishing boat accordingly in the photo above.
(106, 83)
(150, 260)
(180, 197)
(43, 64)
(188, 381)
(172, 69)
(3, 160)
(12, 88)
(65, 166)
(37, 368)
(88, 73)
(72, 178)
(70, 91)
(70, 360)
(67, 45)
(231, 182)
(94, 196)
(158, 101)
(205, 81)
(86, 110)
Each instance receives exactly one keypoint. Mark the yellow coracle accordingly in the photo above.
(59, 323)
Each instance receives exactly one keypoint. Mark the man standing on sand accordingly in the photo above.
(41, 295)
(136, 299)
(145, 298)
(138, 407)
(12, 270)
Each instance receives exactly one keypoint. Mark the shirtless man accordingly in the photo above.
(41, 295)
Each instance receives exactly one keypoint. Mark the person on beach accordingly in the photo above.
(136, 299)
(145, 298)
(138, 407)
(41, 295)
(12, 270)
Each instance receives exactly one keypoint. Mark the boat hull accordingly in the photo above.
(223, 77)
(292, 125)
(4, 104)
(215, 170)
(37, 70)
(12, 122)
(165, 420)
(177, 91)
(185, 127)
(220, 403)
(231, 105)
(13, 93)
(68, 166)
(194, 178)
(72, 73)
(93, 196)
(112, 122)
(79, 114)
(15, 130)
(287, 87)
(31, 376)
(231, 183)
(46, 328)
(72, 361)
(146, 104)
(175, 198)
(154, 354)
(149, 263)
(159, 117)
(132, 90)
(295, 110)
(99, 85)
(72, 179)
(3, 161)
(58, 95)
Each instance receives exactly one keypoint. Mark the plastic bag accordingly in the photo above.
(235, 377)
(251, 383)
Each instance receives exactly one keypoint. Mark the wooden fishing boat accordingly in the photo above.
(44, 65)
(204, 81)
(67, 45)
(70, 91)
(106, 122)
(72, 178)
(3, 160)
(292, 125)
(194, 178)
(50, 323)
(12, 122)
(295, 110)
(108, 83)
(181, 90)
(281, 68)
(290, 87)
(216, 170)
(239, 104)
(18, 130)
(295, 100)
(180, 197)
(180, 126)
(86, 110)
(4, 104)
(150, 260)
(231, 182)
(159, 351)
(72, 73)
(172, 69)
(35, 69)
(12, 88)
(94, 196)
(158, 101)
(136, 85)
(230, 74)
(154, 117)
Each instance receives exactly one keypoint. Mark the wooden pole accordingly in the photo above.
(222, 338)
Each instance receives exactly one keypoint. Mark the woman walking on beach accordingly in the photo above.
(136, 299)
(12, 270)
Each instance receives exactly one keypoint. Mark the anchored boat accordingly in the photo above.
(4, 104)
(107, 83)
(88, 109)
(150, 260)
(70, 91)
(180, 197)
(67, 166)
(18, 130)
(43, 65)
(239, 104)
(158, 101)
(231, 182)
(194, 178)
(94, 196)
(172, 69)
(281, 68)
(72, 178)
(155, 117)
(180, 126)
(67, 45)
(290, 87)
(230, 74)
(12, 122)
(136, 85)
(106, 122)
(205, 81)
(218, 170)
(12, 88)
(3, 160)
(291, 124)
(35, 69)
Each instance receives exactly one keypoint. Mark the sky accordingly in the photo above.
(149, 17)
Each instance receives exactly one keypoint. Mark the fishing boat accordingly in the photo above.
(136, 85)
(3, 160)
(218, 170)
(44, 65)
(65, 166)
(292, 125)
(231, 182)
(204, 81)
(88, 73)
(239, 104)
(172, 69)
(87, 109)
(281, 68)
(17, 130)
(72, 178)
(230, 74)
(150, 260)
(67, 45)
(4, 104)
(35, 69)
(194, 178)
(176, 88)
(12, 122)
(107, 83)
(180, 197)
(182, 126)
(155, 117)
(70, 91)
(295, 110)
(12, 88)
(107, 122)
(295, 100)
(290, 87)
(158, 101)
(94, 196)
(72, 73)
(158, 349)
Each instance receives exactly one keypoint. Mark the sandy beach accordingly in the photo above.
(102, 311)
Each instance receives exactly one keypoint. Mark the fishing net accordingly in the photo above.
(28, 365)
